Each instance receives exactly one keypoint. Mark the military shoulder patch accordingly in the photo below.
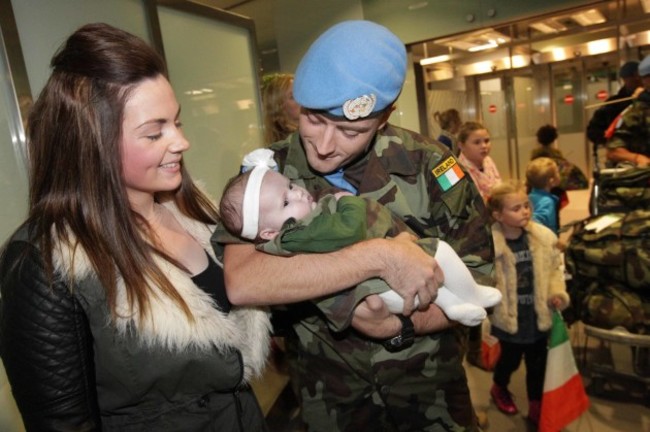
(448, 173)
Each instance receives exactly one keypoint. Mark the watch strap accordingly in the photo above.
(404, 339)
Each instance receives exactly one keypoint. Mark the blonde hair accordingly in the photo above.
(448, 120)
(277, 124)
(498, 193)
(540, 171)
(467, 128)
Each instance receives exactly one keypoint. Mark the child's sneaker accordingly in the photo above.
(502, 398)
(534, 411)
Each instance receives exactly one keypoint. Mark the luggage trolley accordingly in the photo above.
(621, 355)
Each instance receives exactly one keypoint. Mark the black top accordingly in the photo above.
(211, 281)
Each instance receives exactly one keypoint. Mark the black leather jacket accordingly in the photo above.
(71, 370)
(57, 395)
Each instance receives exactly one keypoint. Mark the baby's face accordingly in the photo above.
(280, 200)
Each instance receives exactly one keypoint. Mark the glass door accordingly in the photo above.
(531, 110)
(494, 114)
(216, 83)
(569, 100)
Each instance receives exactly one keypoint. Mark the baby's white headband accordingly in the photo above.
(259, 161)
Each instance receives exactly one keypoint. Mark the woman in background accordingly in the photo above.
(449, 122)
(114, 311)
(281, 111)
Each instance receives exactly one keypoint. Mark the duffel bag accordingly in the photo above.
(620, 190)
(618, 251)
(608, 304)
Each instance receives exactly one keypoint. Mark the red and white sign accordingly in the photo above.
(568, 99)
(492, 108)
(602, 95)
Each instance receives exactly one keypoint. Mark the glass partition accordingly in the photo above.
(212, 63)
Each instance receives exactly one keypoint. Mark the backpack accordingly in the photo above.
(608, 305)
(619, 190)
(619, 252)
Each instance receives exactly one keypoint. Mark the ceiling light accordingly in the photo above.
(490, 44)
(436, 59)
(600, 46)
(590, 17)
(549, 26)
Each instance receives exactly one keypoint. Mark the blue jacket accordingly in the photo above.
(545, 208)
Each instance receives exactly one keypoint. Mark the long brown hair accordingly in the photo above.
(277, 124)
(76, 187)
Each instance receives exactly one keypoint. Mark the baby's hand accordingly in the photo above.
(338, 195)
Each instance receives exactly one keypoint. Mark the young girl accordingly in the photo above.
(530, 277)
(474, 144)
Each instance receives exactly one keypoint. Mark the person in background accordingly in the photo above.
(384, 372)
(571, 177)
(531, 278)
(542, 176)
(280, 110)
(114, 311)
(474, 144)
(630, 143)
(605, 115)
(546, 137)
(449, 122)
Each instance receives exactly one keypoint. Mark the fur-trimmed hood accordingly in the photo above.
(244, 328)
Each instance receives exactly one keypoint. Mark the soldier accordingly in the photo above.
(630, 142)
(385, 372)
(605, 115)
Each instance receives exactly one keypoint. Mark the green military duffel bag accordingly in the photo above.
(607, 305)
(621, 190)
(612, 247)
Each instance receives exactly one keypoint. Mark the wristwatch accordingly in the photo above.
(404, 339)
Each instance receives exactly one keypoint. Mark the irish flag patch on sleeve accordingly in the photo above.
(448, 173)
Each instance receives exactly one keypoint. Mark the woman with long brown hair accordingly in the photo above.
(114, 313)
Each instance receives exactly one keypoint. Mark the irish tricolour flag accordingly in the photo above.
(564, 398)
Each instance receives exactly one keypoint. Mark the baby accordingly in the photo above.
(283, 218)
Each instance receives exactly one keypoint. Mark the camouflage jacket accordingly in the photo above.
(420, 182)
(633, 131)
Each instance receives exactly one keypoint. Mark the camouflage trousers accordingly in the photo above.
(353, 384)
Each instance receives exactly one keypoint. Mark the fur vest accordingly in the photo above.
(245, 329)
(548, 273)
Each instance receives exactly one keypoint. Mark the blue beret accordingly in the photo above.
(644, 66)
(354, 69)
(629, 69)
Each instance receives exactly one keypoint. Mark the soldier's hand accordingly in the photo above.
(372, 318)
(410, 271)
(642, 161)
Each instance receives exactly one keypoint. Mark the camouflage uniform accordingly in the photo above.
(633, 131)
(347, 382)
